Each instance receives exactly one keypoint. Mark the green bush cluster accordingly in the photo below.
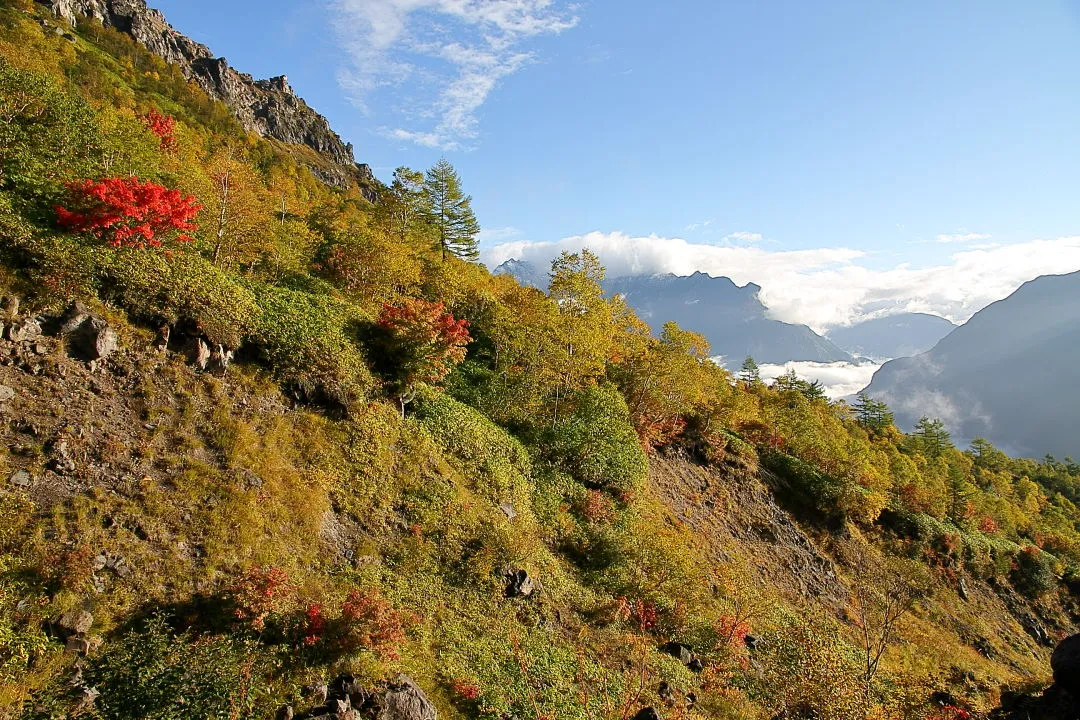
(310, 342)
(596, 444)
(155, 673)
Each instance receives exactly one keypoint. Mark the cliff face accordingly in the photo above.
(267, 107)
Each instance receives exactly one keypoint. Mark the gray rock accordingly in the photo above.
(508, 510)
(1065, 662)
(219, 361)
(519, 584)
(9, 305)
(198, 352)
(317, 693)
(78, 645)
(163, 334)
(90, 338)
(404, 700)
(87, 697)
(24, 330)
(21, 478)
(285, 712)
(6, 394)
(679, 651)
(74, 622)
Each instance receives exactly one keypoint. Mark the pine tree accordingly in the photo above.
(750, 373)
(874, 415)
(450, 212)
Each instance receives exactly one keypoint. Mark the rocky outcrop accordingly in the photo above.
(1060, 701)
(269, 108)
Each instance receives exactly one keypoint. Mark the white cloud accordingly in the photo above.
(962, 237)
(454, 51)
(826, 286)
(839, 379)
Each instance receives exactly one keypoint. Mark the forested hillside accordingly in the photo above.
(274, 450)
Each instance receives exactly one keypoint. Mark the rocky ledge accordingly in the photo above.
(269, 108)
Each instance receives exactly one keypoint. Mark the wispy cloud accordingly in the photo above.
(498, 234)
(453, 53)
(824, 287)
(745, 237)
(962, 237)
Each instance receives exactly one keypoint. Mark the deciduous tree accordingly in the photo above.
(421, 343)
(128, 212)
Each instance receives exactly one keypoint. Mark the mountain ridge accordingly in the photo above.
(979, 378)
(270, 108)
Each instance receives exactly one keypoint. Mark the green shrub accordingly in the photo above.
(596, 442)
(804, 483)
(155, 673)
(184, 287)
(469, 435)
(1033, 572)
(310, 342)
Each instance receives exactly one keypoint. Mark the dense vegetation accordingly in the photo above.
(455, 425)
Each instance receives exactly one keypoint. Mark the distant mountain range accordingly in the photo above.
(732, 318)
(895, 336)
(1008, 374)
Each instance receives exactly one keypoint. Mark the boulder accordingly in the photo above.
(219, 361)
(198, 352)
(519, 584)
(347, 686)
(647, 713)
(21, 478)
(285, 712)
(677, 650)
(23, 330)
(403, 700)
(9, 306)
(7, 394)
(78, 645)
(90, 338)
(317, 693)
(1065, 663)
(74, 622)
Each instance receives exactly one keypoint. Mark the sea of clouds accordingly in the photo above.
(825, 287)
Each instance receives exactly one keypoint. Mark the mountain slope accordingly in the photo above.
(269, 108)
(1003, 375)
(894, 336)
(732, 318)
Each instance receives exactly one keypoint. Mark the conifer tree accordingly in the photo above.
(750, 374)
(450, 212)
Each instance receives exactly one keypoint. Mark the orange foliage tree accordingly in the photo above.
(421, 343)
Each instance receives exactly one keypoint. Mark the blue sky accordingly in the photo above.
(852, 158)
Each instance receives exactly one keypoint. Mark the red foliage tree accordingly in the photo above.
(260, 592)
(369, 622)
(422, 343)
(128, 212)
(164, 126)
